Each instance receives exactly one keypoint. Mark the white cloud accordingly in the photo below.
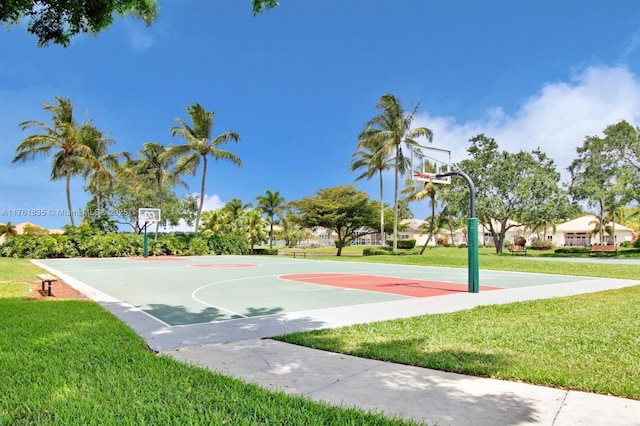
(139, 35)
(211, 202)
(556, 119)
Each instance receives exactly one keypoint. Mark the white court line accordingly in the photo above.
(97, 296)
(194, 297)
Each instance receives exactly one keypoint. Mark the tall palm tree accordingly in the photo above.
(64, 137)
(97, 165)
(271, 204)
(200, 145)
(373, 160)
(156, 162)
(390, 129)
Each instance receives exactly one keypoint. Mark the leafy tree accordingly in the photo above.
(58, 21)
(129, 193)
(593, 176)
(261, 5)
(388, 131)
(271, 204)
(65, 137)
(622, 143)
(342, 209)
(511, 189)
(200, 145)
(292, 233)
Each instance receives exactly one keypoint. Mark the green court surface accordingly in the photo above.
(179, 291)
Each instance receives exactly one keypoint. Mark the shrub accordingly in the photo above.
(541, 245)
(572, 250)
(84, 242)
(376, 251)
(265, 251)
(408, 243)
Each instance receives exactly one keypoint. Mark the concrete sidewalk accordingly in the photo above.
(429, 396)
(241, 348)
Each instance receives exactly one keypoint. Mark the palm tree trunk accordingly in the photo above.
(68, 183)
(159, 182)
(433, 220)
(382, 238)
(395, 203)
(271, 233)
(204, 174)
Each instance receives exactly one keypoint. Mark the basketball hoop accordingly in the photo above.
(432, 164)
(424, 177)
(148, 216)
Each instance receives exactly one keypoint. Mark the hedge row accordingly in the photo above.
(119, 245)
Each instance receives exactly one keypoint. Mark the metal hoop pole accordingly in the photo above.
(472, 233)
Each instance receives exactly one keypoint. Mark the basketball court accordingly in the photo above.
(181, 301)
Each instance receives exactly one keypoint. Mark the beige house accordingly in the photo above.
(579, 232)
(411, 230)
(484, 234)
(21, 227)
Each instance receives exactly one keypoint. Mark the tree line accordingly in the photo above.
(513, 189)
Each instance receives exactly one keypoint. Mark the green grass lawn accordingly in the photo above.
(72, 362)
(588, 342)
(488, 259)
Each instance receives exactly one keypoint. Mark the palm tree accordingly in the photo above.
(156, 162)
(254, 228)
(389, 130)
(271, 204)
(373, 160)
(65, 136)
(7, 230)
(96, 167)
(200, 145)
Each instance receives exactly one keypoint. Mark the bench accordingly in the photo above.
(517, 250)
(603, 250)
(46, 278)
(299, 253)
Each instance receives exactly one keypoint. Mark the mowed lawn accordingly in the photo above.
(73, 363)
(588, 342)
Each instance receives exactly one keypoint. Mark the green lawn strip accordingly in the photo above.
(457, 258)
(72, 362)
(12, 269)
(588, 342)
(12, 289)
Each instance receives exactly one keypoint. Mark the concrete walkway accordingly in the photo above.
(420, 394)
(429, 396)
(242, 348)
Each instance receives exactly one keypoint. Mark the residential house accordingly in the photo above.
(580, 232)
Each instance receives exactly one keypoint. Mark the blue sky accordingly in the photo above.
(299, 82)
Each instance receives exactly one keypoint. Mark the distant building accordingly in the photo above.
(26, 227)
(580, 232)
